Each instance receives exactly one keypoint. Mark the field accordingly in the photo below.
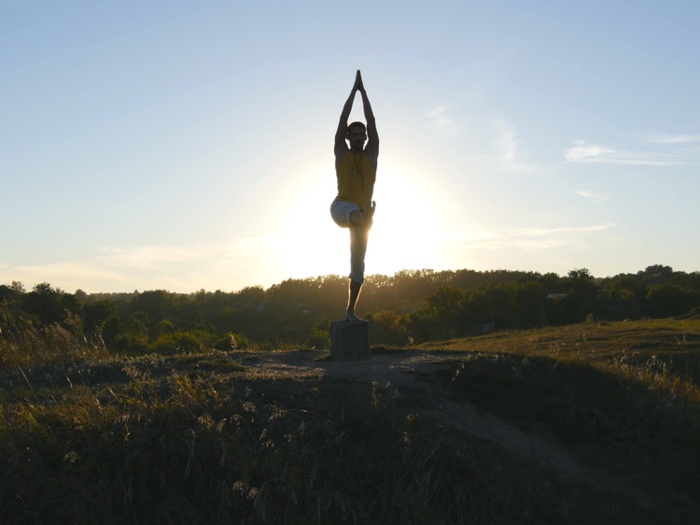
(589, 423)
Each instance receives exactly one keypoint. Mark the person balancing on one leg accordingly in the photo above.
(355, 168)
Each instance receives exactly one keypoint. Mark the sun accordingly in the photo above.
(405, 234)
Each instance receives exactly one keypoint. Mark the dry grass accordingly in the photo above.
(188, 449)
(22, 344)
(204, 439)
(624, 394)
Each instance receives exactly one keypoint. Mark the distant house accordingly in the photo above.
(555, 295)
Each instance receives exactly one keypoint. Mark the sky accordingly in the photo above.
(184, 145)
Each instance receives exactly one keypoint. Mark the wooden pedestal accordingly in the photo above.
(349, 341)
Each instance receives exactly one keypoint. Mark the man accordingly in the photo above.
(355, 168)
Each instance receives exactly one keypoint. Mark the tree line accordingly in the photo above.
(410, 307)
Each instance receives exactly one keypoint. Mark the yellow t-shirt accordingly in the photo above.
(356, 176)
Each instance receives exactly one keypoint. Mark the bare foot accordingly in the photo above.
(353, 318)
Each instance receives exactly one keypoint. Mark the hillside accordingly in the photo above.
(587, 423)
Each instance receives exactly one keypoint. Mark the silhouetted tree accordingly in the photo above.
(666, 300)
(46, 303)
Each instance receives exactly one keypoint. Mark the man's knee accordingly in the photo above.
(356, 218)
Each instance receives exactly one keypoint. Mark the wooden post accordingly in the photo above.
(349, 341)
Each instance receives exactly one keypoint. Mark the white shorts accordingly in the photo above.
(341, 211)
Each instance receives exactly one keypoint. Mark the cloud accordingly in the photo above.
(531, 232)
(68, 275)
(583, 152)
(154, 257)
(68, 270)
(508, 145)
(159, 256)
(230, 265)
(440, 120)
(674, 139)
(591, 195)
(508, 156)
(473, 234)
(524, 238)
(590, 153)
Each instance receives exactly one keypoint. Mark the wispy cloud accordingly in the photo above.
(508, 155)
(67, 275)
(440, 119)
(230, 265)
(533, 238)
(535, 232)
(588, 153)
(583, 152)
(68, 270)
(159, 256)
(155, 257)
(674, 139)
(507, 141)
(591, 195)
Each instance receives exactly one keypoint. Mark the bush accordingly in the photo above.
(128, 344)
(388, 328)
(177, 343)
(318, 339)
(232, 342)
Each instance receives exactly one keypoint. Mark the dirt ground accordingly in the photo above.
(412, 376)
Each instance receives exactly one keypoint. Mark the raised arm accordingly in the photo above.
(372, 147)
(339, 144)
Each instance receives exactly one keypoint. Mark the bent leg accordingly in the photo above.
(357, 219)
(345, 214)
(348, 215)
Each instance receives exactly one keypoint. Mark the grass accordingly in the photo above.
(207, 439)
(674, 343)
(624, 394)
(21, 344)
(183, 450)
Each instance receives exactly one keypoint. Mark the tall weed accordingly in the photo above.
(22, 344)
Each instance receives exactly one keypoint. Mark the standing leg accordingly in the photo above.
(358, 248)
(353, 294)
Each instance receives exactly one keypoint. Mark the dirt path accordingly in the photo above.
(412, 375)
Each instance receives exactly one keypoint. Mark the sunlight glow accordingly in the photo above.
(408, 223)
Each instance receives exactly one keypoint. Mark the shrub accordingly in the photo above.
(177, 343)
(232, 342)
(318, 339)
(388, 328)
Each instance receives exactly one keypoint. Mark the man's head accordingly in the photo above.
(357, 135)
